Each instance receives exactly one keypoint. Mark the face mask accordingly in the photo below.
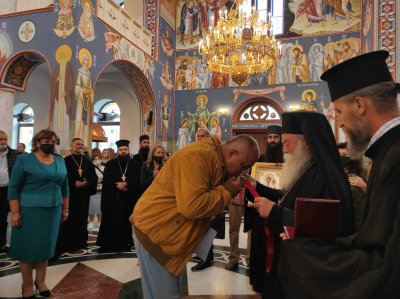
(47, 148)
(158, 159)
(3, 147)
(97, 162)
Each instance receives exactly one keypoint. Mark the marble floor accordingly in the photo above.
(90, 274)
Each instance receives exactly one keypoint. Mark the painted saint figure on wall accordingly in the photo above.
(183, 134)
(313, 10)
(200, 114)
(165, 78)
(316, 60)
(308, 98)
(166, 42)
(216, 128)
(165, 116)
(86, 26)
(83, 97)
(300, 66)
(188, 22)
(62, 92)
(65, 20)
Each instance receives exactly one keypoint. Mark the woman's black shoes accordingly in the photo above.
(45, 293)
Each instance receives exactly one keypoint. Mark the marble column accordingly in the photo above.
(6, 111)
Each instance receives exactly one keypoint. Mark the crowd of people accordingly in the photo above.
(164, 205)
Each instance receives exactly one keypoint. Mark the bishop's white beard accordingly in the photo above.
(294, 165)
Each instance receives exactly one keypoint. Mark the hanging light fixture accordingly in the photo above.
(239, 44)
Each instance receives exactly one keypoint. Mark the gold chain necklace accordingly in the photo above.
(80, 171)
(123, 177)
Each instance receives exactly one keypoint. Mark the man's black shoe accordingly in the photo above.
(201, 266)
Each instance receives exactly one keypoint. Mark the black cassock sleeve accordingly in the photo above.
(91, 178)
(146, 176)
(134, 188)
(109, 190)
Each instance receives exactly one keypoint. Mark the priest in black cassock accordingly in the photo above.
(273, 148)
(141, 156)
(312, 169)
(82, 181)
(119, 195)
(367, 264)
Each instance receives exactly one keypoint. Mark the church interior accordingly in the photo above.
(104, 70)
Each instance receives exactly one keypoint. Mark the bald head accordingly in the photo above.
(239, 154)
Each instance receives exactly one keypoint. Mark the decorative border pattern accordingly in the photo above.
(386, 28)
(152, 25)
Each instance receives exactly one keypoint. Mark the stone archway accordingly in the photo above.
(18, 85)
(18, 68)
(137, 102)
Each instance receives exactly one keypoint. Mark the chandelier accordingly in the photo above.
(239, 44)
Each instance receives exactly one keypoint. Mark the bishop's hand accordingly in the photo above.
(263, 206)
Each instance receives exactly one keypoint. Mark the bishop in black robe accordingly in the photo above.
(323, 178)
(367, 264)
(115, 232)
(75, 234)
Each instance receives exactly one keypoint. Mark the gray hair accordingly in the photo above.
(205, 131)
(383, 95)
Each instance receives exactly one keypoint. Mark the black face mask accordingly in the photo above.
(158, 159)
(47, 148)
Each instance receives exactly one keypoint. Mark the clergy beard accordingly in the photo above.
(273, 152)
(294, 166)
(144, 152)
(123, 157)
(358, 140)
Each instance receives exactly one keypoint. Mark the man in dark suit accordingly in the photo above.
(8, 156)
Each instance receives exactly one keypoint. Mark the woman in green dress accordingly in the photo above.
(38, 197)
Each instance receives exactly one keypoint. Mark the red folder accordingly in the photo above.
(315, 218)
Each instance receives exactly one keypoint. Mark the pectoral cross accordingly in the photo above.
(80, 171)
(123, 177)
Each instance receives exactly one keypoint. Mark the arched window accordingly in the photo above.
(109, 118)
(258, 112)
(275, 7)
(25, 119)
